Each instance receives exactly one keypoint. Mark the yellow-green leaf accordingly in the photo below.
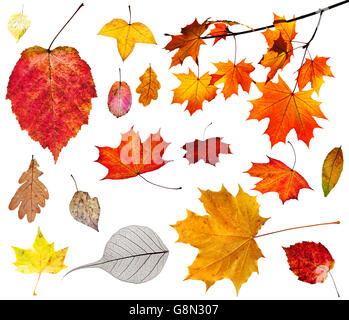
(41, 258)
(332, 169)
(18, 25)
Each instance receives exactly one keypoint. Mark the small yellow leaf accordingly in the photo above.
(18, 25)
(148, 88)
(127, 35)
(42, 258)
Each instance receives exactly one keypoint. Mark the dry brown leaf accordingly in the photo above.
(31, 195)
(84, 209)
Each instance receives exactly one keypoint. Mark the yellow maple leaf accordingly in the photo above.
(194, 89)
(127, 35)
(18, 25)
(42, 258)
(224, 237)
(148, 88)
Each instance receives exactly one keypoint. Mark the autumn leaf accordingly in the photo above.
(310, 261)
(132, 157)
(224, 237)
(232, 76)
(149, 87)
(220, 31)
(277, 177)
(280, 47)
(127, 35)
(18, 24)
(188, 42)
(195, 90)
(51, 93)
(332, 169)
(119, 99)
(286, 110)
(313, 71)
(207, 150)
(85, 209)
(42, 258)
(31, 195)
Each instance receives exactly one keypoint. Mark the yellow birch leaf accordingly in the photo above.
(41, 258)
(18, 25)
(148, 88)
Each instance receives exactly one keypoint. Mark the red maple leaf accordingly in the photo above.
(51, 93)
(132, 157)
(207, 150)
(277, 177)
(310, 261)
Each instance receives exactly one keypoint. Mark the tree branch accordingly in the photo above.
(272, 25)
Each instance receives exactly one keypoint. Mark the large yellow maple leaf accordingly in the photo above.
(194, 89)
(224, 237)
(42, 258)
(127, 35)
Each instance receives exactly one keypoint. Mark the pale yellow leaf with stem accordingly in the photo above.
(18, 25)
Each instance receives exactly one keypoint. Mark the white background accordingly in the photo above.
(133, 201)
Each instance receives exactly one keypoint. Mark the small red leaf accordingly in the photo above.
(310, 261)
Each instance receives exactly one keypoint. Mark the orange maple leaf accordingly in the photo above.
(194, 89)
(224, 237)
(132, 157)
(286, 110)
(188, 42)
(232, 76)
(277, 177)
(220, 31)
(280, 47)
(313, 71)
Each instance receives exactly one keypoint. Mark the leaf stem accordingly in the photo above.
(294, 228)
(334, 283)
(129, 10)
(37, 282)
(203, 136)
(158, 185)
(81, 5)
(76, 186)
(295, 156)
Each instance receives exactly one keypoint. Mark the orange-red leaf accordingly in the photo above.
(286, 110)
(195, 90)
(220, 31)
(207, 150)
(280, 47)
(51, 95)
(133, 157)
(310, 261)
(277, 177)
(232, 76)
(188, 43)
(313, 71)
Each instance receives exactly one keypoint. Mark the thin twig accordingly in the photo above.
(76, 186)
(295, 156)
